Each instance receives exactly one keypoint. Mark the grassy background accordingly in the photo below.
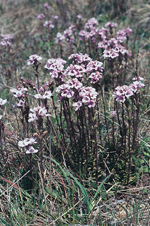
(65, 198)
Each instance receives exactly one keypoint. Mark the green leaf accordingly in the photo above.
(99, 188)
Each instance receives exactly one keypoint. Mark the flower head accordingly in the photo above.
(31, 150)
(37, 112)
(77, 105)
(46, 6)
(27, 142)
(48, 24)
(55, 17)
(19, 92)
(33, 59)
(110, 24)
(40, 16)
(123, 92)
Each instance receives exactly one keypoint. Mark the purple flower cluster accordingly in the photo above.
(41, 16)
(56, 66)
(80, 58)
(75, 71)
(112, 48)
(123, 34)
(46, 6)
(46, 95)
(121, 93)
(95, 77)
(27, 143)
(93, 66)
(59, 38)
(48, 24)
(110, 24)
(6, 40)
(73, 88)
(19, 92)
(79, 74)
(33, 59)
(69, 34)
(37, 112)
(86, 65)
(91, 23)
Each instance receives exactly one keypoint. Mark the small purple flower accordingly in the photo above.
(32, 117)
(101, 45)
(110, 53)
(123, 92)
(2, 102)
(55, 17)
(121, 99)
(48, 24)
(77, 105)
(74, 83)
(138, 79)
(55, 64)
(38, 96)
(47, 95)
(84, 35)
(91, 23)
(113, 113)
(110, 24)
(6, 37)
(31, 150)
(91, 104)
(33, 59)
(122, 34)
(40, 16)
(20, 92)
(5, 43)
(138, 84)
(94, 66)
(37, 112)
(26, 142)
(20, 103)
(85, 99)
(46, 6)
(59, 37)
(95, 77)
(75, 71)
(67, 93)
(80, 58)
(79, 16)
